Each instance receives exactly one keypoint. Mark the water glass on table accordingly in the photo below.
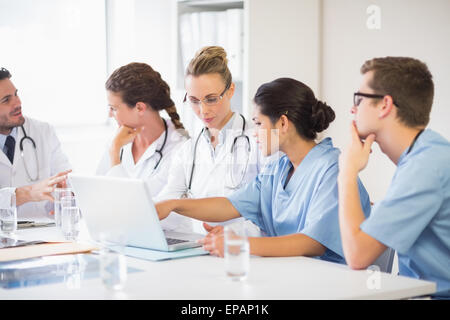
(8, 217)
(113, 264)
(236, 251)
(8, 220)
(58, 194)
(70, 218)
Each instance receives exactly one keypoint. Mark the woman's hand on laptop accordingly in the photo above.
(217, 230)
(213, 241)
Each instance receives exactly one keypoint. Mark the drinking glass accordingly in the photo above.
(8, 217)
(8, 220)
(70, 222)
(113, 264)
(58, 194)
(236, 251)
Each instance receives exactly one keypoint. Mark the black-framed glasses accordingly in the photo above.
(211, 100)
(357, 97)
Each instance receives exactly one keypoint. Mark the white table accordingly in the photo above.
(203, 278)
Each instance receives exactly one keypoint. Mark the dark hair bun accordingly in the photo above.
(321, 116)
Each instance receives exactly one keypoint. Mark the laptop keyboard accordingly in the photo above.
(174, 241)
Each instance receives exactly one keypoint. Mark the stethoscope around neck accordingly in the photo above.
(188, 193)
(21, 148)
(158, 151)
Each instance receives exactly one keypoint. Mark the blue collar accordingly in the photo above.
(414, 145)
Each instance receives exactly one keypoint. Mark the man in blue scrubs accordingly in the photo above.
(392, 107)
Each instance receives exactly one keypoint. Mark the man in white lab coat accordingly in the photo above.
(31, 160)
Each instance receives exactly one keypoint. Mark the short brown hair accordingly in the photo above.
(138, 82)
(410, 84)
(4, 74)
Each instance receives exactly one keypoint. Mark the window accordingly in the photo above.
(56, 53)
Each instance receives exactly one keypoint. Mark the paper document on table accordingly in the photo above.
(45, 249)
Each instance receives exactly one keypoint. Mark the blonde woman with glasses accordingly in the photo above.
(223, 156)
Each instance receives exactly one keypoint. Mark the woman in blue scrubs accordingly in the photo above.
(294, 200)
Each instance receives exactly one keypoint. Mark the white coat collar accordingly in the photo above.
(231, 129)
(151, 150)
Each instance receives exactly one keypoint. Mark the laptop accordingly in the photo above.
(124, 207)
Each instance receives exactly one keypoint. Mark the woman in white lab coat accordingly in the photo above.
(223, 156)
(144, 143)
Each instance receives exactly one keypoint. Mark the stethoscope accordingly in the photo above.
(188, 192)
(159, 151)
(26, 137)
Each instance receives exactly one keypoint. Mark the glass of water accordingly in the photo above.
(8, 217)
(58, 194)
(113, 264)
(8, 220)
(70, 222)
(237, 251)
(74, 272)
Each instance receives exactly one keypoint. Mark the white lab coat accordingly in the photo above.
(51, 160)
(211, 176)
(144, 169)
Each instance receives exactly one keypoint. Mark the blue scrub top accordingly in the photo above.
(308, 204)
(414, 217)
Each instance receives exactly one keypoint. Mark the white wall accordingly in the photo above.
(282, 39)
(141, 31)
(415, 28)
(55, 51)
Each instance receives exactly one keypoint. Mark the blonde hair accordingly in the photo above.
(211, 59)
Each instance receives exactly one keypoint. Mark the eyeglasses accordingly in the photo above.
(357, 98)
(211, 100)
